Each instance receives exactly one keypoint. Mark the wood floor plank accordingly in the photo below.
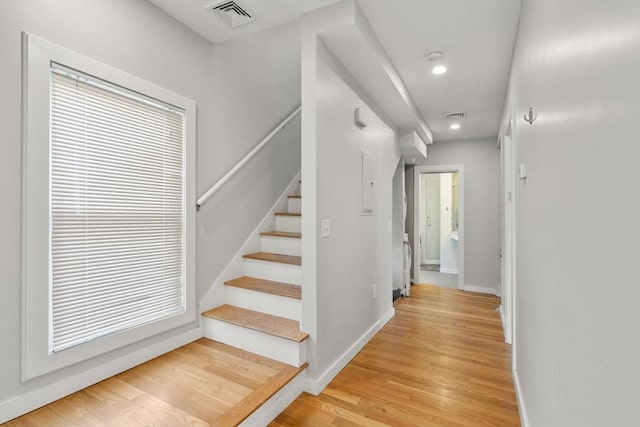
(271, 257)
(274, 325)
(440, 361)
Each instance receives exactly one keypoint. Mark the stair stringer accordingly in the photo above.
(216, 295)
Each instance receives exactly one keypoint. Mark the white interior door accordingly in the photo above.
(507, 185)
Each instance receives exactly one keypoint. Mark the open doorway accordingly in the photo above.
(438, 225)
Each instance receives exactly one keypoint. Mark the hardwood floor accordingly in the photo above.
(203, 383)
(441, 361)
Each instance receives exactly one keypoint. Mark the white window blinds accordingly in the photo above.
(117, 216)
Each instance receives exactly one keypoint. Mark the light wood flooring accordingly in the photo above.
(441, 361)
(203, 383)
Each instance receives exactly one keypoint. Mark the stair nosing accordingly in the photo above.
(235, 283)
(295, 196)
(301, 335)
(282, 234)
(295, 214)
(284, 259)
(234, 417)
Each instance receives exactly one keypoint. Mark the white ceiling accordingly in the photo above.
(267, 13)
(476, 36)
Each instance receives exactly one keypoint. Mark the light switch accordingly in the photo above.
(388, 226)
(523, 171)
(325, 228)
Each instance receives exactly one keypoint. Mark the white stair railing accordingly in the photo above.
(246, 158)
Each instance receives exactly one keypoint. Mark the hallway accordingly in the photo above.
(440, 361)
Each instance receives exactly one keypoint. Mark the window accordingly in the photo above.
(109, 209)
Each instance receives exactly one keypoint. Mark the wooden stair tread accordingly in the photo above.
(249, 404)
(267, 286)
(288, 214)
(295, 196)
(282, 234)
(268, 256)
(274, 325)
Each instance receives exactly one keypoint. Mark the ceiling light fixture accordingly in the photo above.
(436, 57)
(454, 126)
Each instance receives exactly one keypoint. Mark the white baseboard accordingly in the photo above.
(315, 386)
(501, 311)
(216, 294)
(449, 270)
(522, 409)
(480, 289)
(20, 405)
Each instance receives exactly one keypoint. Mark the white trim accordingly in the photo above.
(277, 403)
(501, 313)
(431, 261)
(480, 289)
(215, 187)
(39, 397)
(315, 386)
(216, 294)
(522, 408)
(449, 270)
(36, 360)
(459, 169)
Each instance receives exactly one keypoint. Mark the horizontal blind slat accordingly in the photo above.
(117, 209)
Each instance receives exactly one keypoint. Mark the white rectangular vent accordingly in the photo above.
(454, 116)
(231, 13)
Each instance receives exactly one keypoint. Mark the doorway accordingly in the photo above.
(438, 225)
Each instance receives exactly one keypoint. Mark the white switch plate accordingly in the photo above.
(325, 228)
(389, 226)
(523, 171)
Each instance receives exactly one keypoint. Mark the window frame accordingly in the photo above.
(38, 54)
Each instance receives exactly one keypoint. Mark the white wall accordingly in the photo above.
(481, 162)
(242, 90)
(255, 84)
(357, 254)
(577, 293)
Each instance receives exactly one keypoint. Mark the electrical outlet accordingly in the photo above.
(375, 291)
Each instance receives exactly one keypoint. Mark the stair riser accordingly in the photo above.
(276, 305)
(275, 271)
(277, 403)
(281, 245)
(289, 223)
(295, 206)
(280, 349)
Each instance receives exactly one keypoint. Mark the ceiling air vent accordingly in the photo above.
(455, 116)
(231, 13)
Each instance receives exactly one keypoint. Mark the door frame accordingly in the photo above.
(419, 170)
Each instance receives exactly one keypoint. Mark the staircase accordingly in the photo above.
(262, 309)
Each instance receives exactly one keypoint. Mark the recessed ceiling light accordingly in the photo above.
(435, 57)
(439, 69)
(454, 126)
